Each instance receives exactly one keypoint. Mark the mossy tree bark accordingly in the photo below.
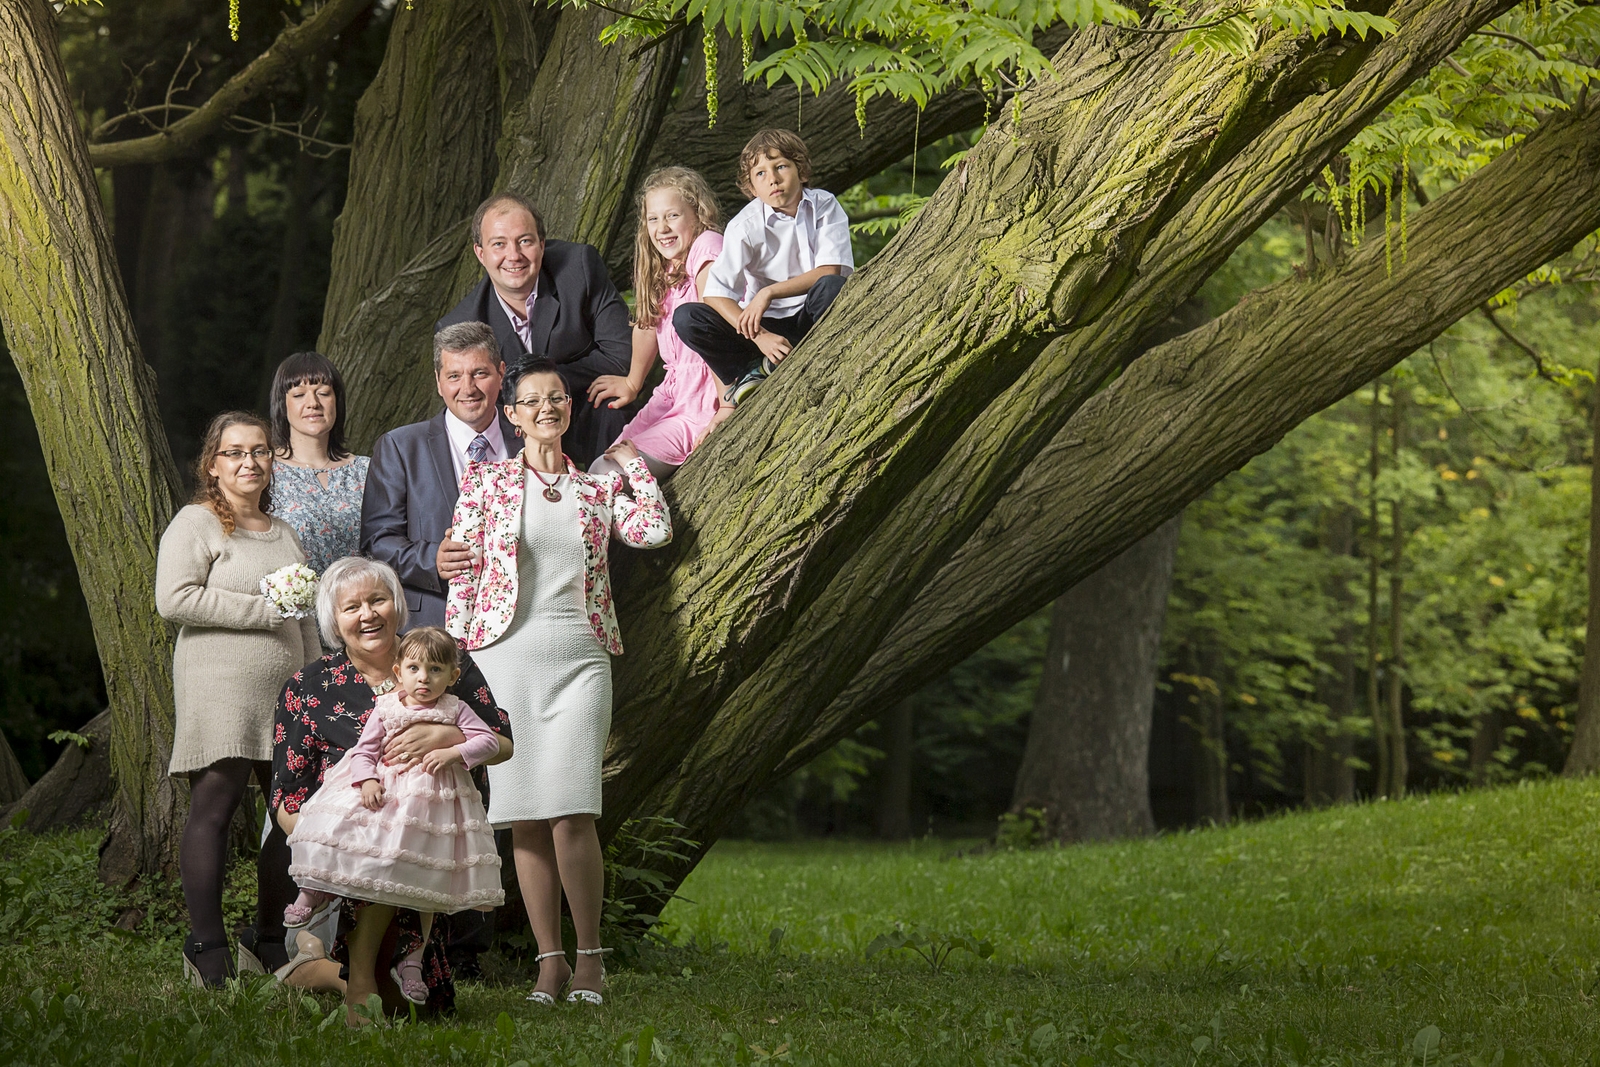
(809, 532)
(93, 398)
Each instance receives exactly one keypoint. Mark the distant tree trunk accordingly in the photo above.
(1208, 726)
(894, 781)
(77, 788)
(93, 400)
(1584, 758)
(1380, 721)
(281, 335)
(1329, 778)
(1485, 743)
(1396, 665)
(1087, 760)
(13, 782)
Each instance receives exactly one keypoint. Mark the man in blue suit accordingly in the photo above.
(415, 474)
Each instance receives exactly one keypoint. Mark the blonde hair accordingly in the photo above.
(653, 276)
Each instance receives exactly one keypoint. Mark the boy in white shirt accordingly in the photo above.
(784, 258)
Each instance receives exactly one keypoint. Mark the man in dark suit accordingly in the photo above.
(415, 474)
(410, 499)
(552, 299)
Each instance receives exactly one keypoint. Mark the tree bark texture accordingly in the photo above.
(571, 130)
(1087, 760)
(1584, 756)
(949, 363)
(93, 399)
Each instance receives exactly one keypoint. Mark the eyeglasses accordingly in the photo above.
(533, 403)
(238, 454)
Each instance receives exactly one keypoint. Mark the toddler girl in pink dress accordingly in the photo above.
(406, 835)
(679, 237)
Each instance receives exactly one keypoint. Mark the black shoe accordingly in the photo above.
(207, 965)
(260, 954)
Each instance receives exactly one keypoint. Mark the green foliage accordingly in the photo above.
(914, 49)
(933, 948)
(637, 888)
(1024, 829)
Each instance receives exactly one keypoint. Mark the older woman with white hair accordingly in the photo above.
(361, 609)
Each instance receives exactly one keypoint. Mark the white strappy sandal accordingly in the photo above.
(590, 996)
(539, 996)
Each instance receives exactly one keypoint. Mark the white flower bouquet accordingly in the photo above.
(292, 590)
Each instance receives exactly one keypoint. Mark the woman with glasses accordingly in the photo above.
(535, 611)
(233, 652)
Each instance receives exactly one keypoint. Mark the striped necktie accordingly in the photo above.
(478, 449)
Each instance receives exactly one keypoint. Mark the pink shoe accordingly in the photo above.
(310, 904)
(407, 974)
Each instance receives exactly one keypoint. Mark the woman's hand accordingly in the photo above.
(372, 794)
(622, 452)
(440, 758)
(419, 739)
(613, 387)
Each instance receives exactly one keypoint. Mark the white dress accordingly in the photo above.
(549, 673)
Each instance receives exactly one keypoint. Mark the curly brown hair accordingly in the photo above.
(652, 275)
(206, 491)
(773, 142)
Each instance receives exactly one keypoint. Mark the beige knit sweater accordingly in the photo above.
(234, 652)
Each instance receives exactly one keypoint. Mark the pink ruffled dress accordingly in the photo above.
(681, 407)
(429, 847)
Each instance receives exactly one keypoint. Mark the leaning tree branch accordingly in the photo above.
(1532, 353)
(1169, 428)
(185, 136)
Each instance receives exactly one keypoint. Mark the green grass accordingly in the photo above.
(1461, 929)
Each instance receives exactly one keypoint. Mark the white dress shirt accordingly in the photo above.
(521, 321)
(763, 247)
(462, 436)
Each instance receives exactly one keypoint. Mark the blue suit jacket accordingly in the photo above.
(407, 506)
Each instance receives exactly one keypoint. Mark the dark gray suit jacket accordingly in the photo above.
(407, 506)
(580, 322)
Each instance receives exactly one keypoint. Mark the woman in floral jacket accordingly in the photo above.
(535, 610)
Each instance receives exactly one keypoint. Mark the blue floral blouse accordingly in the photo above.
(328, 520)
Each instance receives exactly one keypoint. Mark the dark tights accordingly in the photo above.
(214, 795)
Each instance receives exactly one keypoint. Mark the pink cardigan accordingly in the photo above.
(481, 602)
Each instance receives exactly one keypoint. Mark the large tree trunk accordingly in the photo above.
(13, 782)
(1087, 760)
(575, 123)
(93, 398)
(76, 790)
(1584, 757)
(1200, 406)
(898, 738)
(808, 528)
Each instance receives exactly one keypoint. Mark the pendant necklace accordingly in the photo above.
(551, 493)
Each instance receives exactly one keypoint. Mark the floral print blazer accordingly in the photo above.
(481, 602)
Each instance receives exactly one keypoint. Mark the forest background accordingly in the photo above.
(1441, 513)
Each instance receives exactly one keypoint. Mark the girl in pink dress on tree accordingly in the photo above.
(680, 234)
(401, 835)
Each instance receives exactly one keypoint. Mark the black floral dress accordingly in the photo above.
(320, 714)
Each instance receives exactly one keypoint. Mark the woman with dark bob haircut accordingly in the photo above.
(316, 482)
